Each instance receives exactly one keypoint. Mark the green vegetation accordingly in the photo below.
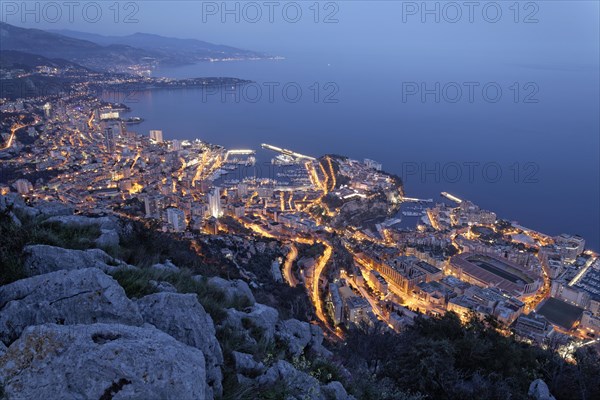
(442, 359)
(315, 250)
(144, 245)
(32, 230)
(137, 283)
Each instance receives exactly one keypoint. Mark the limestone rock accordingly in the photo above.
(101, 361)
(53, 208)
(163, 286)
(167, 266)
(108, 238)
(42, 259)
(300, 383)
(539, 390)
(64, 297)
(233, 288)
(108, 223)
(259, 315)
(245, 363)
(15, 201)
(335, 391)
(184, 318)
(299, 335)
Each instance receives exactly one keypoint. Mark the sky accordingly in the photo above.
(458, 29)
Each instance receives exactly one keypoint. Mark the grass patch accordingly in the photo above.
(137, 284)
(35, 231)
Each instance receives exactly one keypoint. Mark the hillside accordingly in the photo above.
(191, 49)
(11, 59)
(115, 53)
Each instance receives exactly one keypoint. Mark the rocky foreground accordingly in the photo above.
(69, 330)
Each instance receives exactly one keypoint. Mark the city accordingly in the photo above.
(285, 215)
(80, 151)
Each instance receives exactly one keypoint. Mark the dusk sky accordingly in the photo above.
(566, 32)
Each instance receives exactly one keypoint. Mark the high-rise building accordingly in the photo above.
(23, 186)
(47, 110)
(242, 189)
(156, 136)
(176, 218)
(109, 139)
(175, 145)
(153, 206)
(214, 203)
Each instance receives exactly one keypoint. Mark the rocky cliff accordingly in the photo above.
(79, 323)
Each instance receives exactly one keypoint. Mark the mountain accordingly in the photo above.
(86, 53)
(11, 59)
(165, 45)
(115, 53)
(21, 76)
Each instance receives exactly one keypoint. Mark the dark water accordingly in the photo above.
(533, 159)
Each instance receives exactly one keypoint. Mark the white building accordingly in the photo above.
(214, 203)
(176, 218)
(373, 164)
(175, 145)
(156, 136)
(23, 186)
(47, 110)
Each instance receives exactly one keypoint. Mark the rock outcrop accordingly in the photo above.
(258, 316)
(245, 364)
(108, 239)
(52, 208)
(163, 286)
(109, 227)
(232, 289)
(300, 383)
(167, 266)
(335, 391)
(106, 223)
(299, 335)
(72, 332)
(538, 390)
(82, 296)
(101, 361)
(42, 259)
(42, 208)
(184, 318)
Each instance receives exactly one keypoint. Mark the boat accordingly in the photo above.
(134, 120)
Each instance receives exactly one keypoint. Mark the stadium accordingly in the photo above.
(490, 270)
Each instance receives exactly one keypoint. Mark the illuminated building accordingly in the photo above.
(175, 145)
(214, 203)
(488, 270)
(156, 136)
(373, 164)
(47, 110)
(23, 186)
(176, 218)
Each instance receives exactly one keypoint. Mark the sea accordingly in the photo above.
(521, 140)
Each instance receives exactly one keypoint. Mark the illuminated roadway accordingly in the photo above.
(287, 266)
(319, 267)
(317, 272)
(13, 131)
